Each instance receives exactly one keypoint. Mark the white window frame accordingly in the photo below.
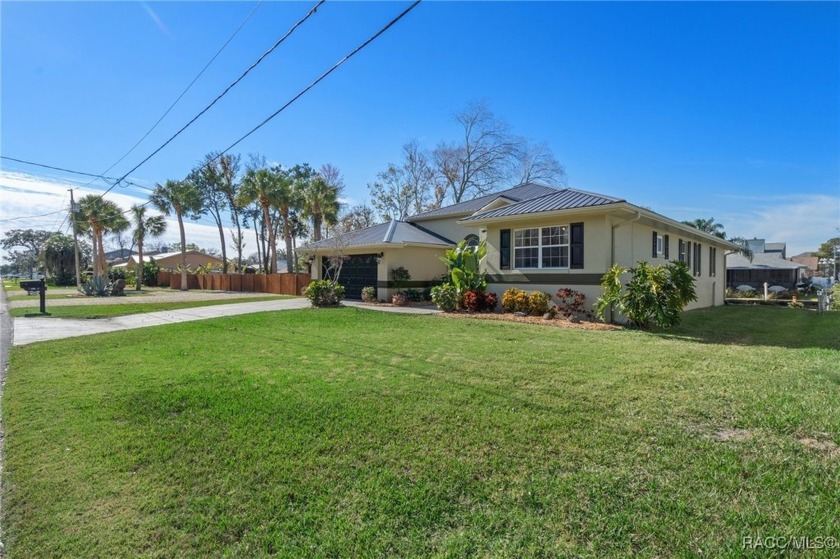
(660, 245)
(565, 232)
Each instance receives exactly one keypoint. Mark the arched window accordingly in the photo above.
(472, 240)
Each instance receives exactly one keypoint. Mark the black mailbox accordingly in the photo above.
(37, 286)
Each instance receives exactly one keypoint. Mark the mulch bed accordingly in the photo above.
(556, 322)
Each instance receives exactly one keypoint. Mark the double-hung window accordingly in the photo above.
(541, 247)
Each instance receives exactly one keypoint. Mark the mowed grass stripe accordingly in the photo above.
(343, 432)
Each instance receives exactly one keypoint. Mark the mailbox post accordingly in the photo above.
(41, 287)
(42, 294)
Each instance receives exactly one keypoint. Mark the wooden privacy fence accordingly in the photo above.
(280, 284)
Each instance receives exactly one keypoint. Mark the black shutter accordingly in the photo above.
(576, 248)
(504, 249)
(654, 244)
(666, 246)
(699, 260)
(681, 250)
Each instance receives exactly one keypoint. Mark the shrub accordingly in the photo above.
(571, 302)
(512, 299)
(655, 295)
(414, 295)
(150, 273)
(399, 298)
(835, 297)
(473, 300)
(116, 273)
(324, 293)
(369, 294)
(61, 278)
(491, 301)
(538, 303)
(445, 296)
(97, 286)
(463, 263)
(401, 276)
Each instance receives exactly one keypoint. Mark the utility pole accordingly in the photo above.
(73, 209)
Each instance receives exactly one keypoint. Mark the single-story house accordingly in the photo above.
(763, 267)
(170, 260)
(538, 238)
(811, 262)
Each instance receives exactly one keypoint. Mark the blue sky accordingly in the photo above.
(725, 110)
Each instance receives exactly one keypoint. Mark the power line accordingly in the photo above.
(322, 76)
(30, 216)
(223, 93)
(186, 89)
(83, 173)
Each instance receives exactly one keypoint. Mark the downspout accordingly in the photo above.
(612, 245)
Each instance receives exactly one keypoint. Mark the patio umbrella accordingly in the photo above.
(744, 288)
(776, 289)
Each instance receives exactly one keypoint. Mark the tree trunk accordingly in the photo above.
(138, 271)
(259, 246)
(103, 264)
(239, 242)
(317, 220)
(184, 284)
(272, 242)
(222, 239)
(287, 236)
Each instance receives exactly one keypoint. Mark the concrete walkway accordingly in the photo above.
(29, 330)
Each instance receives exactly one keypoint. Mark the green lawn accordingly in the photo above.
(17, 294)
(353, 433)
(106, 311)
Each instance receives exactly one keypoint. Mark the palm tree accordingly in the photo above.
(180, 197)
(151, 226)
(98, 216)
(270, 188)
(708, 226)
(319, 201)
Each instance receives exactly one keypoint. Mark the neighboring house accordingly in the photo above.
(767, 264)
(810, 260)
(538, 238)
(170, 260)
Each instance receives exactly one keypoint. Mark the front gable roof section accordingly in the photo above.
(566, 199)
(393, 233)
(516, 194)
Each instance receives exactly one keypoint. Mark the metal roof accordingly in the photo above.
(393, 232)
(566, 199)
(760, 262)
(515, 194)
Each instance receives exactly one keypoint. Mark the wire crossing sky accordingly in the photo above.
(725, 110)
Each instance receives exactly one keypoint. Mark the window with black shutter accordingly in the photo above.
(504, 249)
(681, 251)
(576, 245)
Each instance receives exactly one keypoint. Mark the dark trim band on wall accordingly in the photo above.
(406, 284)
(564, 279)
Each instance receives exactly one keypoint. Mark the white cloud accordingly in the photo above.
(803, 221)
(23, 195)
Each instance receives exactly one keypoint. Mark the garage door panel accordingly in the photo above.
(357, 272)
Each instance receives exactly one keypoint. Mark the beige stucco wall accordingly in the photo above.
(421, 262)
(632, 244)
(447, 227)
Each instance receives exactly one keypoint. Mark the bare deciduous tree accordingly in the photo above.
(536, 163)
(358, 217)
(483, 160)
